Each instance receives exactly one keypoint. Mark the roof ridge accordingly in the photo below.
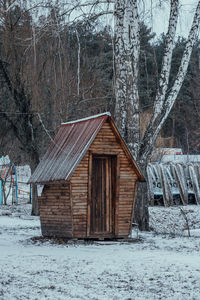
(87, 118)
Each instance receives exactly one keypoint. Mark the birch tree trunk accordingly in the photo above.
(163, 103)
(126, 56)
(126, 59)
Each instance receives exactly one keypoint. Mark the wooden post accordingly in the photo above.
(1, 192)
(133, 205)
(107, 197)
(30, 195)
(117, 194)
(71, 204)
(89, 192)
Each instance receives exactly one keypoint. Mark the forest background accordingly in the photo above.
(41, 64)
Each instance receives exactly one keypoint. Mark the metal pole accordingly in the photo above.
(1, 192)
(16, 184)
(30, 194)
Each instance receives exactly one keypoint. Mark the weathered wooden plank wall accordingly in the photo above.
(105, 143)
(55, 210)
(64, 207)
(79, 197)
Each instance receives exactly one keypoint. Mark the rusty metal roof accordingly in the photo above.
(69, 147)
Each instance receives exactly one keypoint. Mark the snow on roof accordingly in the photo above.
(88, 118)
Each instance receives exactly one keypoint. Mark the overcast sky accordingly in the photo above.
(157, 17)
(161, 16)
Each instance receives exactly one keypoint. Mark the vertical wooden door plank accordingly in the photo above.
(110, 167)
(102, 194)
(117, 195)
(102, 216)
(89, 192)
(107, 196)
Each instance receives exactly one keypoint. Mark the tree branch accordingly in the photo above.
(155, 126)
(167, 58)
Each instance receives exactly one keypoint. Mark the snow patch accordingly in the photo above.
(160, 266)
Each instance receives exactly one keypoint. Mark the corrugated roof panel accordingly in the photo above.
(68, 148)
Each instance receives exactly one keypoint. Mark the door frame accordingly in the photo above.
(116, 206)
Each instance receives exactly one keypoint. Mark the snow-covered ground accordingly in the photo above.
(163, 264)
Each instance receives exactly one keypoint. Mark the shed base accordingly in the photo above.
(81, 241)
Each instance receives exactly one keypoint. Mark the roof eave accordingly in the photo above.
(48, 182)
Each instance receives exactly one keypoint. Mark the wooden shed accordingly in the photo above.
(90, 181)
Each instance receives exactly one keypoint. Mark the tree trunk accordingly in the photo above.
(35, 210)
(163, 105)
(126, 57)
(141, 213)
(127, 117)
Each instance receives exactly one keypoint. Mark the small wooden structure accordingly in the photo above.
(90, 181)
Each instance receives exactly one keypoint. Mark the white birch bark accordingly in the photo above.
(78, 63)
(167, 58)
(164, 107)
(126, 56)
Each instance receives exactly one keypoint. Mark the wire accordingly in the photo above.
(18, 113)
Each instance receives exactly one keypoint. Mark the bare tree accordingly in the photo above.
(164, 101)
(126, 59)
(38, 76)
(16, 107)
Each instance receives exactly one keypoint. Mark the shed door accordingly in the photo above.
(102, 195)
